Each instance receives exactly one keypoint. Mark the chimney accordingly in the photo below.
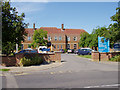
(62, 27)
(34, 26)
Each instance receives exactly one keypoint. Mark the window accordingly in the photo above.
(54, 46)
(60, 38)
(75, 38)
(68, 46)
(57, 46)
(49, 38)
(75, 46)
(29, 38)
(68, 38)
(55, 38)
(61, 46)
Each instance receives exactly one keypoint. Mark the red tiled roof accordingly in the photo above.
(56, 30)
(66, 31)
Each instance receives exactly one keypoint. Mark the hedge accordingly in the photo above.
(29, 60)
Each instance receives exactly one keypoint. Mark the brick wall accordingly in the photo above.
(57, 43)
(95, 56)
(8, 61)
(14, 61)
(103, 56)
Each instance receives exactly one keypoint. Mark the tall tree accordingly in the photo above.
(84, 42)
(13, 28)
(100, 31)
(91, 40)
(39, 38)
(114, 29)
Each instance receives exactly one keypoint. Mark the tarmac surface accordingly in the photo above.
(72, 72)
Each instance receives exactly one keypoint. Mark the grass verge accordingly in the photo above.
(85, 56)
(4, 69)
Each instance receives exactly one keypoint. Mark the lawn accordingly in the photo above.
(85, 56)
(4, 69)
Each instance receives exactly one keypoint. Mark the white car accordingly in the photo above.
(41, 49)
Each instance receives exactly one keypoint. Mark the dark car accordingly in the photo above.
(28, 51)
(84, 51)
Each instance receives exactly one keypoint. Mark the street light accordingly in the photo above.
(16, 46)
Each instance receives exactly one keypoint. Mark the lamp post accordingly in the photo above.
(16, 46)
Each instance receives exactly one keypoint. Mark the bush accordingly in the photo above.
(27, 61)
(65, 50)
(115, 58)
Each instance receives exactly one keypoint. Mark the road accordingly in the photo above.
(75, 72)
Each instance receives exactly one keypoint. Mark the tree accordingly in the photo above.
(13, 28)
(114, 29)
(39, 38)
(91, 40)
(84, 40)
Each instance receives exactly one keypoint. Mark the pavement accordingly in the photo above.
(17, 70)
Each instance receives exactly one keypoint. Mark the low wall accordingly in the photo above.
(8, 61)
(14, 60)
(103, 56)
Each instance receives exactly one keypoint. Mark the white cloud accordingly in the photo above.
(24, 7)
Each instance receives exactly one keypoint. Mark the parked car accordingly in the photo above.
(70, 50)
(43, 49)
(85, 51)
(116, 47)
(75, 51)
(28, 51)
(62, 50)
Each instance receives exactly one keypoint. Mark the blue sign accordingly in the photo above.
(103, 45)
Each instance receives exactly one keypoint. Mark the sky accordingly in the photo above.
(74, 15)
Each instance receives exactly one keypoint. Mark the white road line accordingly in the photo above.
(11, 82)
(103, 86)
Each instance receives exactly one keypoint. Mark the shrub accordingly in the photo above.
(115, 58)
(27, 61)
(65, 50)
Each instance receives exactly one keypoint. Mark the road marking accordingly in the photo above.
(103, 86)
(21, 74)
(60, 72)
(52, 72)
(1, 75)
(11, 82)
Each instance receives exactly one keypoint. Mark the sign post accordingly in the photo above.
(103, 44)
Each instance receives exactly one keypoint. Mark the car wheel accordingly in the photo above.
(78, 53)
(89, 53)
